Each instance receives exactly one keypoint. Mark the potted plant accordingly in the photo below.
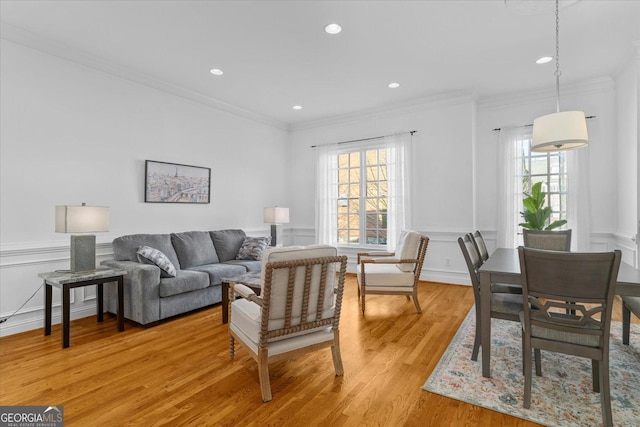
(535, 215)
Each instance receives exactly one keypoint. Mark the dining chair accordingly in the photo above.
(552, 240)
(504, 305)
(481, 245)
(393, 273)
(588, 280)
(298, 310)
(629, 305)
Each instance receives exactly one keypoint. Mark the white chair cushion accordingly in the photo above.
(279, 282)
(245, 322)
(407, 248)
(385, 275)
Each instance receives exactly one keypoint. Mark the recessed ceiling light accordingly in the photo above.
(544, 60)
(297, 107)
(393, 85)
(333, 28)
(216, 71)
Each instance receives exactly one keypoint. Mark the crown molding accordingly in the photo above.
(28, 39)
(412, 105)
(598, 84)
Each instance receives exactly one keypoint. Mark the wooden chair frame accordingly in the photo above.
(365, 258)
(262, 357)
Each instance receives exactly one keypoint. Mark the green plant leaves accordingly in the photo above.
(534, 215)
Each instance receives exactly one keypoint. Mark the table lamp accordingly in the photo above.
(82, 219)
(276, 216)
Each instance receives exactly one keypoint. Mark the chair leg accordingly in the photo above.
(232, 346)
(335, 352)
(526, 357)
(536, 351)
(626, 323)
(605, 395)
(415, 300)
(476, 340)
(595, 374)
(263, 374)
(362, 292)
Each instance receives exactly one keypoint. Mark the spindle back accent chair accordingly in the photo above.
(298, 310)
(588, 281)
(393, 273)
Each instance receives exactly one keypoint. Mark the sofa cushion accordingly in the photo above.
(248, 264)
(185, 281)
(149, 255)
(219, 271)
(227, 243)
(194, 248)
(125, 248)
(253, 247)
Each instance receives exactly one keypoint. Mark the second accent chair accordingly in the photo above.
(298, 309)
(393, 273)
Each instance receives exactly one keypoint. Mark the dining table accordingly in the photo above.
(503, 266)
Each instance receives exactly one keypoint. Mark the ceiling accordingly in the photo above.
(275, 54)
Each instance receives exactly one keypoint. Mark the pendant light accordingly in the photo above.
(561, 130)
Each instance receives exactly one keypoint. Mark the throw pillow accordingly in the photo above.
(252, 248)
(148, 255)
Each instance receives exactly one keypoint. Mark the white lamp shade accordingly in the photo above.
(276, 215)
(560, 131)
(82, 219)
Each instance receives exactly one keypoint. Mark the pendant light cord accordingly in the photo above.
(557, 73)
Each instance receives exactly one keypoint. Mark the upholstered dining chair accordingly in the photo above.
(553, 240)
(393, 273)
(506, 304)
(298, 310)
(588, 280)
(629, 305)
(481, 245)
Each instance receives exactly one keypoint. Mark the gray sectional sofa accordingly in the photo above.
(201, 260)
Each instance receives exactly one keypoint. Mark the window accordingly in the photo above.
(363, 196)
(548, 168)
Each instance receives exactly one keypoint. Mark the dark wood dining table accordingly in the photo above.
(503, 266)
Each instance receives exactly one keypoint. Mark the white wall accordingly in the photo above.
(73, 134)
(628, 158)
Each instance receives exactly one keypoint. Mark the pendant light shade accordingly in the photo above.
(560, 131)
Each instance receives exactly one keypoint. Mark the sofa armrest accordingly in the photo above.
(141, 291)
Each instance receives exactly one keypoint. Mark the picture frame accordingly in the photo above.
(176, 183)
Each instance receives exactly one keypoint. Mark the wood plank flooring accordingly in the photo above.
(179, 372)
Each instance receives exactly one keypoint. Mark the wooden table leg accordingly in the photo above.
(120, 304)
(485, 326)
(225, 302)
(100, 303)
(66, 307)
(47, 308)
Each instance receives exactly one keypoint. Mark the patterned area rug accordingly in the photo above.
(563, 396)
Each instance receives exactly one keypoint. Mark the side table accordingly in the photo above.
(66, 281)
(252, 280)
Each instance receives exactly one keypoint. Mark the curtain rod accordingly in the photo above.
(364, 139)
(531, 124)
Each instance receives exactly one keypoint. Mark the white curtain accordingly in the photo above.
(509, 196)
(579, 203)
(327, 194)
(398, 175)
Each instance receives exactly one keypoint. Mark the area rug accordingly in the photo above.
(563, 396)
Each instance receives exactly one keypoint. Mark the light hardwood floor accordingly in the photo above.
(179, 372)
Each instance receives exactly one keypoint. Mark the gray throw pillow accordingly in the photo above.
(147, 255)
(252, 248)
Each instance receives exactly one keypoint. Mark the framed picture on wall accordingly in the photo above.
(176, 183)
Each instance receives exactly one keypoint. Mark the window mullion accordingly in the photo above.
(363, 197)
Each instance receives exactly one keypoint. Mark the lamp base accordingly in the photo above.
(83, 253)
(276, 235)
